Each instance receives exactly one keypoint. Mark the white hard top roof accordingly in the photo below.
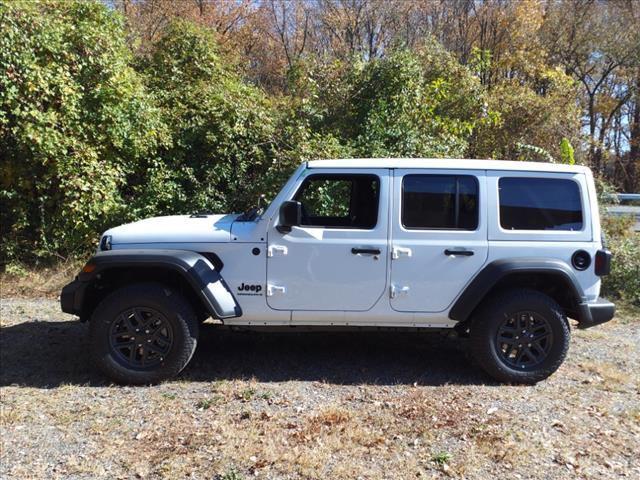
(447, 163)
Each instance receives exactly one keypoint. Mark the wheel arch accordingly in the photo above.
(190, 273)
(549, 276)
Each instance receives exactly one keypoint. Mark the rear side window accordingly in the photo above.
(440, 202)
(540, 204)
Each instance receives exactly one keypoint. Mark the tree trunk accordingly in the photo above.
(592, 133)
(632, 184)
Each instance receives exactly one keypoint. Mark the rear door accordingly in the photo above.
(439, 236)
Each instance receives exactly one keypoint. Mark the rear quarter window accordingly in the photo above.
(528, 203)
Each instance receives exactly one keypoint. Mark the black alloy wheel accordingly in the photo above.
(143, 333)
(519, 336)
(524, 340)
(141, 338)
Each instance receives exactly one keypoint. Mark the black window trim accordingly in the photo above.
(544, 176)
(457, 200)
(332, 175)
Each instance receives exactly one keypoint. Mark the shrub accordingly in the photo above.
(624, 280)
(74, 120)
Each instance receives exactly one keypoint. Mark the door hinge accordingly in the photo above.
(399, 291)
(397, 252)
(275, 289)
(277, 250)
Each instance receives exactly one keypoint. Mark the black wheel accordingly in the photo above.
(143, 334)
(520, 336)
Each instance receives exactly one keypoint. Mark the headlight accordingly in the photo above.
(105, 242)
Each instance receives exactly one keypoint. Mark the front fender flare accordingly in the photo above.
(199, 273)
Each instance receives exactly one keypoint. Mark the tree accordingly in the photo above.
(422, 105)
(405, 104)
(222, 130)
(75, 118)
(596, 42)
(537, 113)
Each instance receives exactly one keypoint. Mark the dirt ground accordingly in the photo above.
(320, 406)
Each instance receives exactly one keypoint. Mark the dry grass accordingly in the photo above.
(302, 407)
(43, 282)
(609, 375)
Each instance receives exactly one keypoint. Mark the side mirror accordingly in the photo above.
(290, 216)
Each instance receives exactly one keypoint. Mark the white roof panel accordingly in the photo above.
(448, 163)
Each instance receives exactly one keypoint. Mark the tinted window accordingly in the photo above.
(440, 202)
(340, 201)
(540, 204)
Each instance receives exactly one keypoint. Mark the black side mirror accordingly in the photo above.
(290, 216)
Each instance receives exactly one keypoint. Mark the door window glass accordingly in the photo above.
(539, 204)
(340, 201)
(440, 202)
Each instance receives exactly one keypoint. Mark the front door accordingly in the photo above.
(337, 258)
(439, 236)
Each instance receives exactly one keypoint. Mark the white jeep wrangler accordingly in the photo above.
(500, 252)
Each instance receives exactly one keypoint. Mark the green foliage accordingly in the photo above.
(74, 120)
(624, 280)
(480, 61)
(618, 226)
(566, 152)
(532, 153)
(231, 474)
(606, 195)
(416, 105)
(412, 104)
(222, 131)
(441, 458)
(537, 113)
(92, 135)
(324, 198)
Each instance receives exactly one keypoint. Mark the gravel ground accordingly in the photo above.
(325, 406)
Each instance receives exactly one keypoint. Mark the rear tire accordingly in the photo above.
(143, 334)
(520, 336)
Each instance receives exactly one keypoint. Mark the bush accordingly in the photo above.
(75, 118)
(412, 104)
(222, 131)
(624, 280)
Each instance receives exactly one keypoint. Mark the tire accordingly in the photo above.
(150, 313)
(504, 326)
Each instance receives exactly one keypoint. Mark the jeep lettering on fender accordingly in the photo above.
(249, 289)
(501, 252)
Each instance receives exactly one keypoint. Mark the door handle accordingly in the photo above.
(397, 252)
(275, 289)
(277, 249)
(365, 251)
(455, 253)
(397, 291)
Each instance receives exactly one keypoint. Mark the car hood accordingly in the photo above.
(175, 229)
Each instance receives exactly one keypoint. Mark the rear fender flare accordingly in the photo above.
(482, 284)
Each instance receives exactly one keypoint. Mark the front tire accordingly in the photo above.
(143, 334)
(520, 336)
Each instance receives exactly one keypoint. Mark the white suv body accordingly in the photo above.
(416, 243)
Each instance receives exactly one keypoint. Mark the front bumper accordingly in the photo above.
(595, 313)
(71, 297)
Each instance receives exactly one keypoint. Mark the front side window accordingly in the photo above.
(340, 201)
(540, 204)
(440, 202)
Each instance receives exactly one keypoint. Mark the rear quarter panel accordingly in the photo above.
(548, 244)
